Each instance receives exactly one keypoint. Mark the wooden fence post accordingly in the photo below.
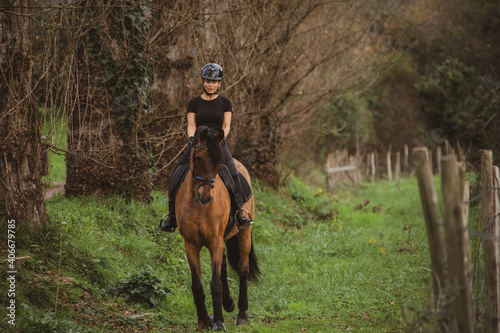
(447, 149)
(462, 168)
(397, 169)
(490, 243)
(461, 155)
(466, 197)
(438, 160)
(358, 176)
(460, 295)
(389, 167)
(434, 229)
(372, 157)
(327, 175)
(405, 161)
(496, 185)
(367, 165)
(431, 162)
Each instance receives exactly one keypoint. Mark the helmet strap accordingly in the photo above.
(208, 94)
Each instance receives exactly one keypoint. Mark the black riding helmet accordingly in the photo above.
(212, 72)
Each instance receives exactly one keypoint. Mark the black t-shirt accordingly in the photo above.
(209, 113)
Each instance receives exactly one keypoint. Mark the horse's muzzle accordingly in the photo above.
(204, 200)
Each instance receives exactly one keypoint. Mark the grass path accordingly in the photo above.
(365, 270)
(359, 270)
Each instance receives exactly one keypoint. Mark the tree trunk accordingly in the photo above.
(21, 192)
(108, 101)
(175, 82)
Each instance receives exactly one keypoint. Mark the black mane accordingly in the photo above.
(212, 142)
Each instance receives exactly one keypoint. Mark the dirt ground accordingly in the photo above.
(57, 188)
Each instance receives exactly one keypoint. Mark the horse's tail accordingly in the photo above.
(233, 256)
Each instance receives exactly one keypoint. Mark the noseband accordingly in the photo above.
(205, 181)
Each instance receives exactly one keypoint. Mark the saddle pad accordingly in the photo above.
(226, 177)
(177, 179)
(246, 192)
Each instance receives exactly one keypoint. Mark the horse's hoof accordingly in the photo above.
(231, 307)
(241, 321)
(218, 326)
(207, 323)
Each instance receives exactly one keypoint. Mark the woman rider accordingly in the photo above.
(215, 112)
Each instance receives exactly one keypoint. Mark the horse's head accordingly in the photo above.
(206, 157)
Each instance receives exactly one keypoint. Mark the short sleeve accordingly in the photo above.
(191, 107)
(228, 106)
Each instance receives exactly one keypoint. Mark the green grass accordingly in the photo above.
(55, 130)
(326, 266)
(361, 269)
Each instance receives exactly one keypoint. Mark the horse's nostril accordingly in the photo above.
(204, 200)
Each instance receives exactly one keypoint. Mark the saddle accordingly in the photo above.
(246, 191)
(225, 175)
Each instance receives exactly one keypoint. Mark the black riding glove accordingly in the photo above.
(190, 142)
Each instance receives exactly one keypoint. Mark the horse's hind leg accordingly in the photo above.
(227, 300)
(193, 256)
(245, 245)
(243, 302)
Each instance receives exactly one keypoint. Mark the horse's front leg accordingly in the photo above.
(193, 256)
(216, 252)
(227, 300)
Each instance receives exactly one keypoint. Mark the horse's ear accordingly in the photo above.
(219, 134)
(203, 134)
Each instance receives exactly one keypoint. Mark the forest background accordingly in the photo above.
(305, 77)
(103, 85)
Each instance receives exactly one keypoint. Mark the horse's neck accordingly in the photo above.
(189, 182)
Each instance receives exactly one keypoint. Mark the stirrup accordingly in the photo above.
(163, 220)
(245, 225)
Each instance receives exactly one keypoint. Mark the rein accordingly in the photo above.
(205, 181)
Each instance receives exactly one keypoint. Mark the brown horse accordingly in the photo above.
(202, 208)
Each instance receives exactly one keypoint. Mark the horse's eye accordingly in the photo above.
(198, 159)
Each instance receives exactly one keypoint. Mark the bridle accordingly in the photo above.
(204, 180)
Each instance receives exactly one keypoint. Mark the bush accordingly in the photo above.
(141, 288)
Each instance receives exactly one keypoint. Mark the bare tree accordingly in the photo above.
(107, 100)
(282, 60)
(173, 48)
(21, 192)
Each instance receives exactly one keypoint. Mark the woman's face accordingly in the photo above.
(211, 86)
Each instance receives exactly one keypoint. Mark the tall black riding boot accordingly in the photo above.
(170, 223)
(241, 220)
